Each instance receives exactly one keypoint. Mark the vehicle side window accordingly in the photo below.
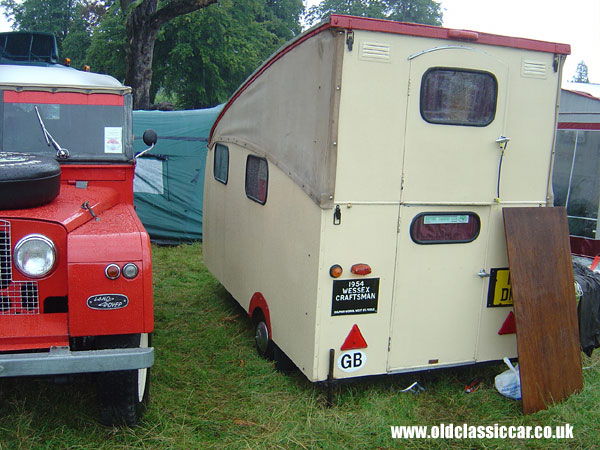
(445, 228)
(458, 97)
(221, 167)
(257, 179)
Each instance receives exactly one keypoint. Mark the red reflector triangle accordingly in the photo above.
(508, 327)
(354, 340)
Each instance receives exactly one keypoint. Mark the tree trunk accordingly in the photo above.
(143, 22)
(141, 34)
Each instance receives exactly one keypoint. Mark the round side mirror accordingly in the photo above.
(150, 137)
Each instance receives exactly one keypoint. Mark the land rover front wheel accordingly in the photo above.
(123, 395)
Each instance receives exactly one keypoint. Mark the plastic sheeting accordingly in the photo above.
(169, 180)
(589, 304)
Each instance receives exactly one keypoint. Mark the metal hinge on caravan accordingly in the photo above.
(337, 215)
(350, 40)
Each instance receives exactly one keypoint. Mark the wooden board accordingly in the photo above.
(543, 290)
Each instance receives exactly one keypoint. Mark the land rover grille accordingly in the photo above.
(16, 297)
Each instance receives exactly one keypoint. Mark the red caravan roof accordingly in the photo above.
(411, 29)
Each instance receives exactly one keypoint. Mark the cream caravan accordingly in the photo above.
(354, 193)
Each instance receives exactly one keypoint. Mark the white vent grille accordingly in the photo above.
(375, 51)
(534, 69)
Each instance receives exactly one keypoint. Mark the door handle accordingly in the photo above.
(502, 141)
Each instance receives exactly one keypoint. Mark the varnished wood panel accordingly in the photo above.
(544, 302)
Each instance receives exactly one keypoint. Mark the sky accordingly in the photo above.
(574, 22)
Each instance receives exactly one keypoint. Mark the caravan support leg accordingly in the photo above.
(330, 379)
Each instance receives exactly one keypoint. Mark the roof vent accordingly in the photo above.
(375, 51)
(533, 69)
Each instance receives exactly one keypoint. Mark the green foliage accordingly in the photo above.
(76, 44)
(106, 53)
(51, 16)
(210, 390)
(417, 11)
(71, 21)
(201, 58)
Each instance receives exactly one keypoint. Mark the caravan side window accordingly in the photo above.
(257, 179)
(445, 228)
(458, 97)
(221, 167)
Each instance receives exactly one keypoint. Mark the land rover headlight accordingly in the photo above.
(35, 256)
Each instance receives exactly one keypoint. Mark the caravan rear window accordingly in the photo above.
(257, 179)
(458, 97)
(445, 228)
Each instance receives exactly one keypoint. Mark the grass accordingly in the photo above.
(210, 390)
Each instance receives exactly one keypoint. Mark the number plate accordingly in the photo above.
(355, 296)
(500, 291)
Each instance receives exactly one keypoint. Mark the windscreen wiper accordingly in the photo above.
(61, 153)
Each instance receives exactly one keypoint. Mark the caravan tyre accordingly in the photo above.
(262, 337)
(27, 180)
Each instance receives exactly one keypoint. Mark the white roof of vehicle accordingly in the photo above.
(589, 88)
(57, 78)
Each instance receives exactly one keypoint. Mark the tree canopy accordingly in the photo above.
(202, 58)
(193, 53)
(71, 21)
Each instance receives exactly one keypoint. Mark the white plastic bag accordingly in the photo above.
(508, 383)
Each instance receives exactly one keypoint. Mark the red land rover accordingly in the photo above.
(75, 263)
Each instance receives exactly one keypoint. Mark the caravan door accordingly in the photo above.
(455, 116)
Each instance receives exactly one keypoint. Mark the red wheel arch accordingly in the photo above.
(258, 302)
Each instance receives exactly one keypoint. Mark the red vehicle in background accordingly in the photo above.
(75, 260)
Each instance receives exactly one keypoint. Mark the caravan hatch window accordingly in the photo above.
(458, 97)
(445, 228)
(221, 167)
(257, 179)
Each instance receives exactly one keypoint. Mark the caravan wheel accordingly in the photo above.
(262, 337)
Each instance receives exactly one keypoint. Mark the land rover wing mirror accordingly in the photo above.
(150, 138)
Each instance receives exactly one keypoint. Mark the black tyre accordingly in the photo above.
(123, 395)
(27, 180)
(262, 337)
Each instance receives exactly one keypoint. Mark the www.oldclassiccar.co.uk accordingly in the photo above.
(495, 431)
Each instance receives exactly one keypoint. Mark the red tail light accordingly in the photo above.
(361, 269)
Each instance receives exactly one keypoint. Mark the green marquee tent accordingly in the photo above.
(169, 179)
